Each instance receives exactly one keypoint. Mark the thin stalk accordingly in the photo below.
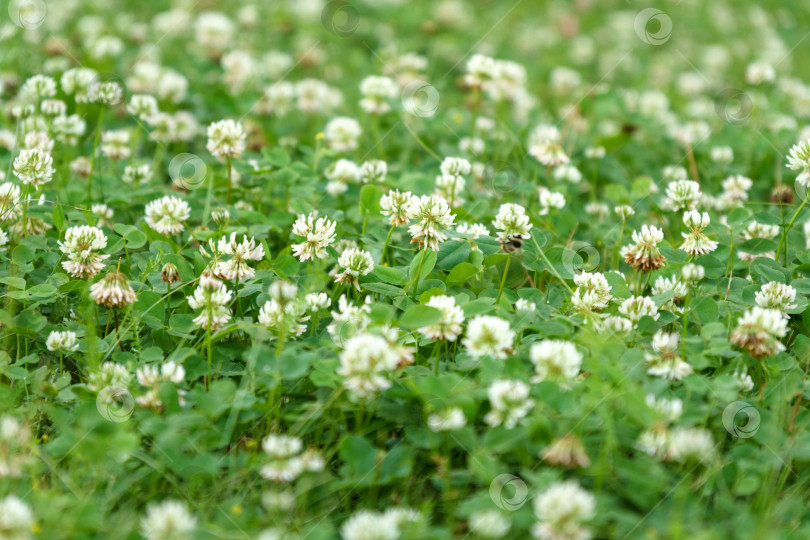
(25, 209)
(228, 164)
(93, 159)
(789, 226)
(503, 279)
(419, 273)
(385, 246)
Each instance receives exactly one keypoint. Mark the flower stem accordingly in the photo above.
(228, 163)
(503, 279)
(419, 273)
(93, 159)
(789, 226)
(385, 246)
(25, 209)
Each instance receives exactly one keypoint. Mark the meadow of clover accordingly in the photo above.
(417, 269)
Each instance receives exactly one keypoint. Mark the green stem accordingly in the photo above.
(228, 162)
(503, 279)
(787, 229)
(419, 273)
(385, 246)
(93, 159)
(25, 209)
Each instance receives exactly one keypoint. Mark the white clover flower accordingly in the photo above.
(690, 444)
(278, 99)
(448, 327)
(16, 518)
(373, 171)
(365, 363)
(669, 409)
(283, 291)
(544, 145)
(759, 331)
(510, 403)
(214, 31)
(115, 144)
(237, 268)
(167, 214)
(68, 129)
(226, 139)
(721, 154)
(511, 221)
(568, 173)
(38, 140)
(480, 70)
(284, 315)
(395, 206)
(113, 290)
(34, 167)
(644, 254)
(449, 419)
(692, 273)
(455, 166)
(592, 293)
(81, 245)
(38, 87)
(168, 520)
(318, 234)
(775, 295)
(368, 525)
(3, 240)
(281, 446)
(143, 106)
(451, 187)
(213, 299)
(549, 200)
(597, 209)
(356, 263)
(624, 211)
(799, 160)
(317, 301)
(313, 95)
(342, 134)
(239, 68)
(561, 511)
(555, 360)
(9, 201)
(744, 381)
(654, 441)
(61, 342)
(759, 72)
(665, 362)
(695, 242)
(488, 335)
(758, 230)
(679, 291)
(377, 91)
(682, 194)
(53, 107)
(349, 320)
(434, 216)
(103, 212)
(595, 152)
(489, 524)
(135, 174)
(108, 93)
(636, 307)
(109, 375)
(523, 305)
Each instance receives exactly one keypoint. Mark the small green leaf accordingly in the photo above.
(418, 316)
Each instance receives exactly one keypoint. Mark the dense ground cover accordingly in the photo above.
(377, 270)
